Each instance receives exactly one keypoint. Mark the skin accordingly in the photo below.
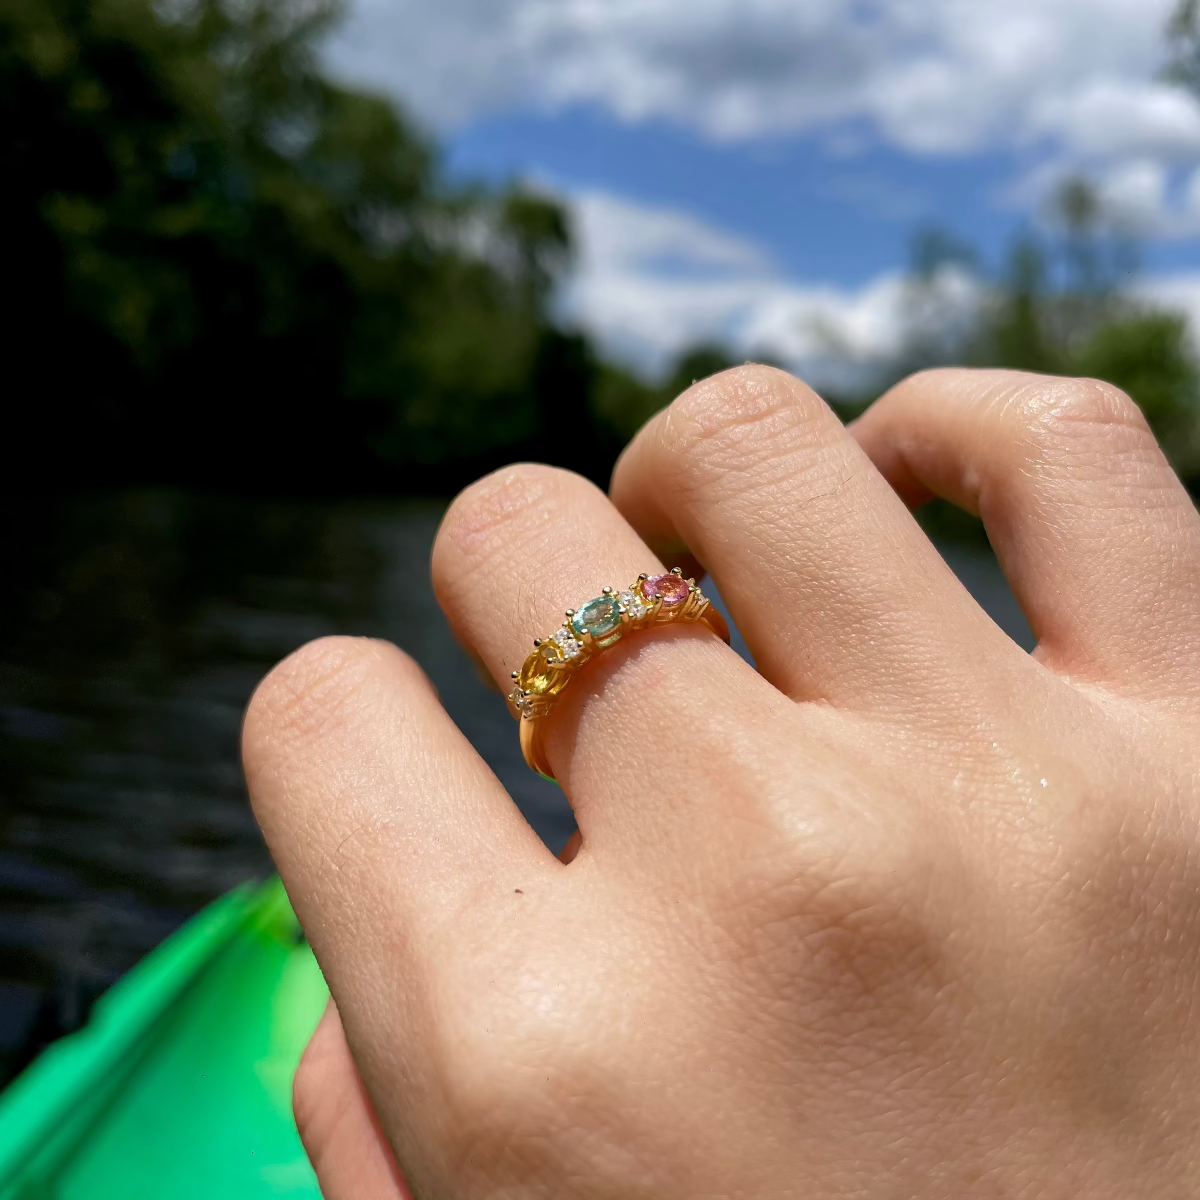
(906, 912)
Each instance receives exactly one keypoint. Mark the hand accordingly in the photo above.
(907, 912)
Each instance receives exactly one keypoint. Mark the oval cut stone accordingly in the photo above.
(539, 678)
(599, 617)
(671, 588)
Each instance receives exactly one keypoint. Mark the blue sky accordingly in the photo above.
(828, 216)
(755, 170)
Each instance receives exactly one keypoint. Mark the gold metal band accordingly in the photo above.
(588, 632)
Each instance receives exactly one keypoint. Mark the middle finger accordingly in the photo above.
(839, 594)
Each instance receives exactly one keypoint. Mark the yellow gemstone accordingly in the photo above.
(538, 677)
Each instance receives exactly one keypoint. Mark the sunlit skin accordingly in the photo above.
(906, 912)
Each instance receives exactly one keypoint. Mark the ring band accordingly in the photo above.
(587, 632)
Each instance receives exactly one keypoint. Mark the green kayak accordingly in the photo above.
(180, 1087)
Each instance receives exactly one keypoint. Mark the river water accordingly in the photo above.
(135, 627)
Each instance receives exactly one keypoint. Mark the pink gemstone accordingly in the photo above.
(672, 589)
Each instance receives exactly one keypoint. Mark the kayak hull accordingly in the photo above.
(179, 1088)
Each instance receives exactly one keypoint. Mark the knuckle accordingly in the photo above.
(1118, 904)
(929, 381)
(844, 927)
(867, 940)
(503, 1118)
(510, 504)
(1133, 881)
(317, 686)
(743, 416)
(919, 381)
(519, 1074)
(1063, 411)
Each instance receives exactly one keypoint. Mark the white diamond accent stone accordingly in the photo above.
(633, 604)
(567, 644)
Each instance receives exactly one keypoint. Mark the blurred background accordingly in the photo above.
(280, 276)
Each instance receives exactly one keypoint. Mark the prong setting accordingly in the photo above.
(651, 600)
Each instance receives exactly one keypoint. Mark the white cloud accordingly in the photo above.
(1072, 84)
(928, 76)
(616, 233)
(653, 282)
(1135, 193)
(1109, 117)
(1141, 196)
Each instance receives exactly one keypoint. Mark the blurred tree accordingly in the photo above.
(1183, 36)
(221, 266)
(694, 365)
(626, 402)
(1067, 306)
(1065, 303)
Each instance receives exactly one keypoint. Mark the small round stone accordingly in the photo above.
(632, 603)
(599, 617)
(672, 590)
(567, 644)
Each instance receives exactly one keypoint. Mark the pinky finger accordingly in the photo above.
(337, 1122)
(336, 1119)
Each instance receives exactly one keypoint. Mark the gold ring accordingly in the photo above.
(587, 632)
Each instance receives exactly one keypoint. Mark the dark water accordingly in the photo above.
(134, 629)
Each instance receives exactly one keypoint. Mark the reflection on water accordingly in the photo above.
(134, 629)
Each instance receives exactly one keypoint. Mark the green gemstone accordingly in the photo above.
(598, 617)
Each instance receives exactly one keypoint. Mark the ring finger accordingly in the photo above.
(518, 549)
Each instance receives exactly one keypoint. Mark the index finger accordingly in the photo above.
(386, 827)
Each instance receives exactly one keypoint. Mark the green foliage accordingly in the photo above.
(1063, 305)
(696, 364)
(224, 267)
(221, 257)
(1148, 354)
(626, 403)
(1065, 308)
(1183, 34)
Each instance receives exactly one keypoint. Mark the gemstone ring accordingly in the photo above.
(587, 632)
